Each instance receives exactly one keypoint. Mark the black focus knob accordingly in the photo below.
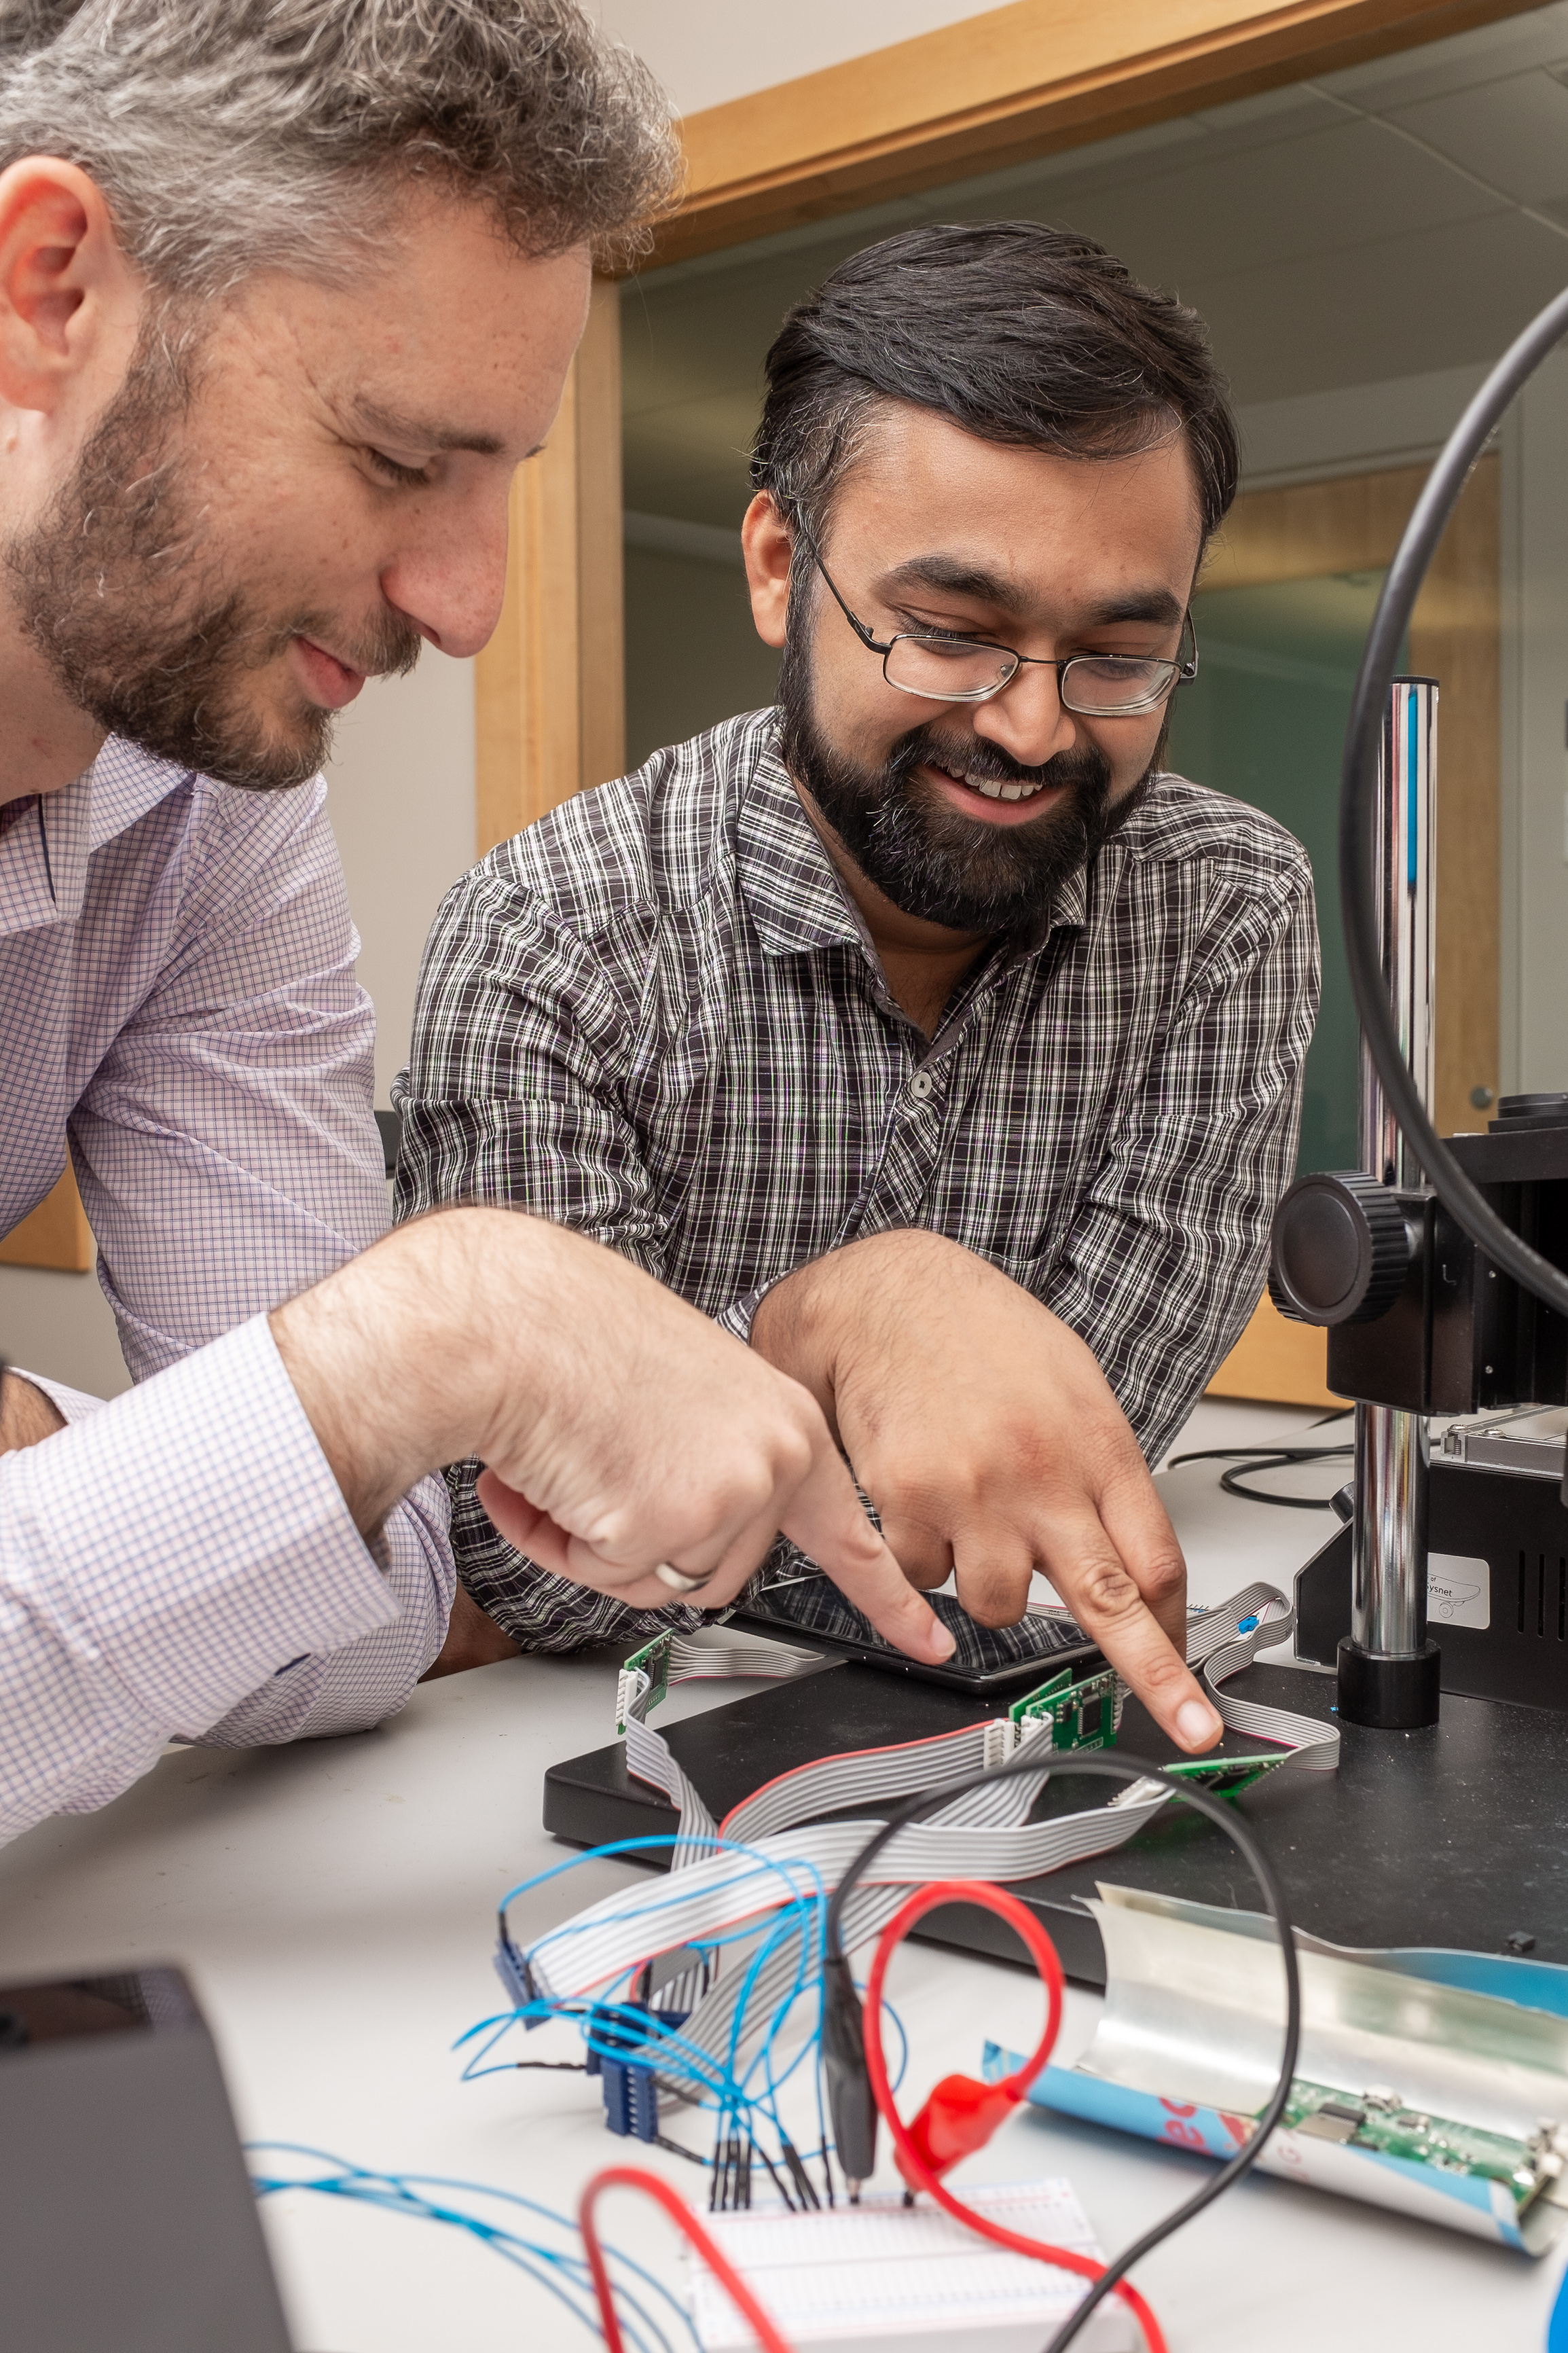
(1339, 1252)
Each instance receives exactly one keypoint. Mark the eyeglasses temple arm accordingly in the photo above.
(871, 643)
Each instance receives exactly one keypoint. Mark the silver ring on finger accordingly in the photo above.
(677, 1579)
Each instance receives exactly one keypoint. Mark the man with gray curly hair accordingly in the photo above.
(288, 290)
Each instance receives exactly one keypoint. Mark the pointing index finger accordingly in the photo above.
(826, 1519)
(1108, 1605)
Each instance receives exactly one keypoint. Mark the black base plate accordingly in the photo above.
(1456, 1835)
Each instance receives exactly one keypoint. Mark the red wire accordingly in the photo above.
(913, 2165)
(635, 2177)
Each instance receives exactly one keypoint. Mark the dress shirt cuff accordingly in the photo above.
(72, 1405)
(191, 1537)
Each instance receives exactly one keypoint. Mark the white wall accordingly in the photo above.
(401, 798)
(1356, 429)
(706, 51)
(60, 1324)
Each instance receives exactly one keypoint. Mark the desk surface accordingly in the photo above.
(334, 1906)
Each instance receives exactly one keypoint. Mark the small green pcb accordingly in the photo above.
(1379, 2120)
(1080, 1714)
(653, 1660)
(1225, 1776)
(1032, 1701)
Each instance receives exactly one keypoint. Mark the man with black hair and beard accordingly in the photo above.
(923, 1031)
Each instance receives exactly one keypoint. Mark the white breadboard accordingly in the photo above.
(852, 2278)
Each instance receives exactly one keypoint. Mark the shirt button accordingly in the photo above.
(922, 1086)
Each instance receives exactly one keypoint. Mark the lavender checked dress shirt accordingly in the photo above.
(176, 974)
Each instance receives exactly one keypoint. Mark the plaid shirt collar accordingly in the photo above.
(793, 890)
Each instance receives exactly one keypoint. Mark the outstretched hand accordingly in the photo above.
(988, 1439)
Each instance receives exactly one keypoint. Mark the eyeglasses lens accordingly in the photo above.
(950, 669)
(946, 670)
(1105, 684)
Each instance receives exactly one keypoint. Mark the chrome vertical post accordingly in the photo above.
(1388, 1669)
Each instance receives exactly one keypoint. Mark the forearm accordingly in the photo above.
(26, 1415)
(400, 1359)
(858, 1295)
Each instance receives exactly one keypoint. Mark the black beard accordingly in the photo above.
(924, 855)
(152, 642)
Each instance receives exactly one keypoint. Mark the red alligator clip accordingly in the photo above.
(959, 2116)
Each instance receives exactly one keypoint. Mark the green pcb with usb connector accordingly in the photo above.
(1380, 2120)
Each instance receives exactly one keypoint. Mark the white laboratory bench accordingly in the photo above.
(334, 1905)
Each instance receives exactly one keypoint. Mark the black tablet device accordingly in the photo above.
(988, 1658)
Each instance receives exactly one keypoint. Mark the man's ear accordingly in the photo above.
(767, 547)
(69, 299)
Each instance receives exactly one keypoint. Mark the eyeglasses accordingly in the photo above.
(942, 668)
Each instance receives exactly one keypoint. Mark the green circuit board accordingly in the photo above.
(1225, 1776)
(1080, 1714)
(1380, 2120)
(653, 1660)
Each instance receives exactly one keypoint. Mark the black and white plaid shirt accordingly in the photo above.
(656, 1016)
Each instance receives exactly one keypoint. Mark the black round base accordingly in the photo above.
(1391, 1693)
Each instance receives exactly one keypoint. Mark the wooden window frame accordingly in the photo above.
(56, 1234)
(1011, 85)
(550, 687)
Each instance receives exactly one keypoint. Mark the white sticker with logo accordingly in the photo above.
(1458, 1590)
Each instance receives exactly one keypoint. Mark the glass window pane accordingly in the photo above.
(1265, 720)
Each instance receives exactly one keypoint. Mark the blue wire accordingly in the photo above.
(396, 2193)
(710, 2081)
(891, 2014)
(624, 1846)
(790, 1922)
(394, 2198)
(632, 1846)
(764, 2054)
(713, 2076)
(475, 2188)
